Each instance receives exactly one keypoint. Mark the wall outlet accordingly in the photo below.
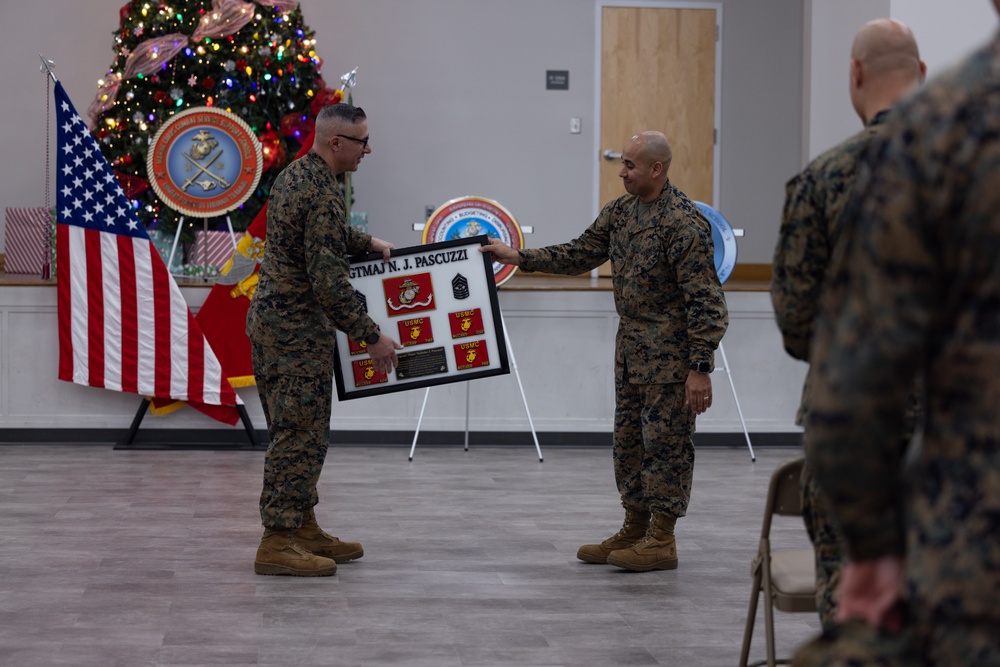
(574, 126)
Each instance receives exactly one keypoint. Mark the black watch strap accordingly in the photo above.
(701, 366)
(371, 339)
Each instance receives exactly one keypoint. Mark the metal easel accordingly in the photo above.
(525, 229)
(524, 399)
(723, 266)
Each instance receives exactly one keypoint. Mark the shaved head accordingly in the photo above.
(645, 160)
(887, 47)
(885, 65)
(654, 147)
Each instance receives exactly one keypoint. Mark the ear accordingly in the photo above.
(857, 73)
(923, 71)
(656, 169)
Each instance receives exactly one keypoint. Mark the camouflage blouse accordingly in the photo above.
(666, 288)
(304, 294)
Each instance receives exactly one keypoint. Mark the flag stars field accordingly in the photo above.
(123, 322)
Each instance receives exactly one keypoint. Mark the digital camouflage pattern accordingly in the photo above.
(667, 293)
(653, 452)
(297, 402)
(302, 298)
(809, 230)
(304, 294)
(914, 289)
(672, 312)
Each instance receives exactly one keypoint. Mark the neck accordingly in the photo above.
(654, 195)
(327, 157)
(885, 100)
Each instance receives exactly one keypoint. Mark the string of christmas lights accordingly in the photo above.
(254, 59)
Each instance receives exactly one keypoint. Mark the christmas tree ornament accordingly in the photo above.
(256, 59)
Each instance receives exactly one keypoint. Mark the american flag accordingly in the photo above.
(123, 322)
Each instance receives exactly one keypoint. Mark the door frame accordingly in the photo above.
(657, 4)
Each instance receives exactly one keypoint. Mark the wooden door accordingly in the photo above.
(658, 73)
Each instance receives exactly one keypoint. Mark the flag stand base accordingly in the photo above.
(128, 442)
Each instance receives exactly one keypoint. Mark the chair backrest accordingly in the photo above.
(784, 496)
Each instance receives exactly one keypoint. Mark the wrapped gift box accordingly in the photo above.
(163, 242)
(212, 249)
(28, 235)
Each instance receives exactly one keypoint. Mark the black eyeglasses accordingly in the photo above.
(363, 142)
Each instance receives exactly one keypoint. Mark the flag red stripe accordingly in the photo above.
(196, 361)
(95, 309)
(64, 304)
(162, 337)
(130, 324)
(123, 321)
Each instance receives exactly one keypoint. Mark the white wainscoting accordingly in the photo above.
(562, 342)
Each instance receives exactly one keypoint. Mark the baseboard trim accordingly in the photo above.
(237, 440)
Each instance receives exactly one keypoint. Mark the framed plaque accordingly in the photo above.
(437, 300)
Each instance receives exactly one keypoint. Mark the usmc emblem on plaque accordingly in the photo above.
(466, 217)
(204, 162)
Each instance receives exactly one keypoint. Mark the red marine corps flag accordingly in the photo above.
(123, 323)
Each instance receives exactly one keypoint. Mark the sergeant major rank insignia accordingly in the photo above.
(460, 286)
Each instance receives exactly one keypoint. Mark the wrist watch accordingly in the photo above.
(701, 366)
(371, 339)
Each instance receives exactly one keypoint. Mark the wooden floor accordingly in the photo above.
(133, 558)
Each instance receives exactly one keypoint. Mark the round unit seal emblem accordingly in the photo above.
(466, 217)
(724, 240)
(204, 162)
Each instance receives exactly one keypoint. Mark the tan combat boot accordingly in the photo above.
(632, 530)
(312, 538)
(279, 554)
(656, 551)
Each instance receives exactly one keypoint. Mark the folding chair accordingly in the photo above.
(787, 577)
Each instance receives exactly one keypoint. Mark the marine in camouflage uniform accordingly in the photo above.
(672, 316)
(302, 297)
(915, 288)
(814, 199)
(809, 229)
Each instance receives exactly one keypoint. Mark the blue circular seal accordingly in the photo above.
(204, 162)
(724, 240)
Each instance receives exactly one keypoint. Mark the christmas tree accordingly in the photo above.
(254, 59)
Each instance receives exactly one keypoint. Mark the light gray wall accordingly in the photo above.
(830, 28)
(455, 94)
(945, 32)
(458, 107)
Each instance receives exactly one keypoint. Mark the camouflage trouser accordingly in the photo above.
(826, 546)
(653, 452)
(297, 409)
